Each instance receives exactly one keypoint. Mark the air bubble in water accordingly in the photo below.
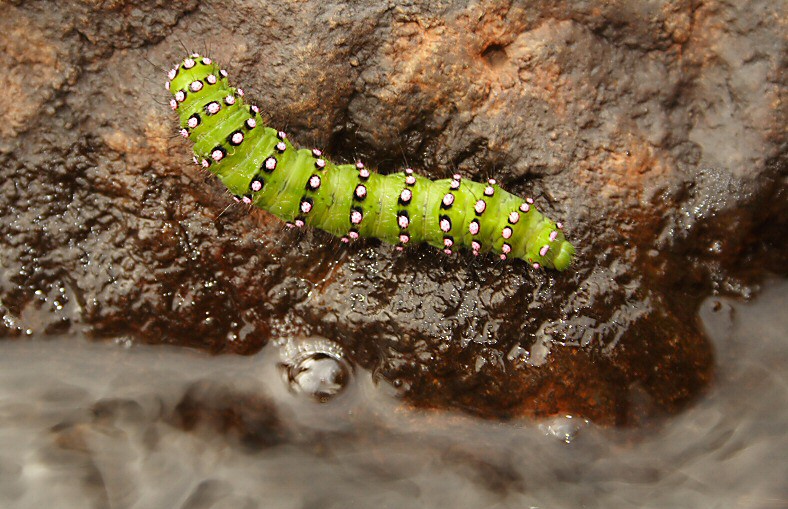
(315, 367)
(564, 428)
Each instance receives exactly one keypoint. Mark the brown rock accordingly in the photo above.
(655, 131)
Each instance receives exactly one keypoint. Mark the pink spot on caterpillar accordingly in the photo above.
(359, 165)
(184, 133)
(447, 251)
(270, 164)
(399, 248)
(473, 227)
(237, 138)
(476, 246)
(353, 235)
(281, 134)
(320, 163)
(251, 123)
(299, 223)
(195, 161)
(314, 182)
(560, 226)
(217, 155)
(223, 73)
(445, 225)
(406, 195)
(213, 108)
(281, 146)
(192, 122)
(180, 96)
(403, 221)
(306, 207)
(167, 85)
(171, 74)
(553, 235)
(356, 217)
(489, 191)
(195, 55)
(448, 199)
(455, 184)
(363, 173)
(205, 163)
(257, 110)
(236, 199)
(317, 152)
(211, 79)
(229, 100)
(188, 63)
(506, 248)
(195, 86)
(448, 242)
(207, 61)
(543, 251)
(514, 217)
(530, 200)
(289, 225)
(506, 233)
(361, 191)
(480, 207)
(256, 185)
(240, 92)
(345, 240)
(410, 180)
(525, 207)
(404, 238)
(247, 200)
(536, 266)
(408, 171)
(492, 182)
(456, 176)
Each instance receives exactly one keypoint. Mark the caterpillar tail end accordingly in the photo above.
(563, 259)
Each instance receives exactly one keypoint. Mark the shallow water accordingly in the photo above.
(111, 425)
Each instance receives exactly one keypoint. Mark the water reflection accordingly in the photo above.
(98, 425)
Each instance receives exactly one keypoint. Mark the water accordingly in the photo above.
(105, 425)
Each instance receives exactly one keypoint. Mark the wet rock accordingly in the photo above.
(655, 131)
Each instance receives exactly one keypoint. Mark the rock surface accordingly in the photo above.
(656, 132)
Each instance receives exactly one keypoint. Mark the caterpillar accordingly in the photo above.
(260, 166)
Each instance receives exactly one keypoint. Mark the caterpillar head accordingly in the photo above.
(193, 83)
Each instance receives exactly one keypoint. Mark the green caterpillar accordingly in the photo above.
(260, 166)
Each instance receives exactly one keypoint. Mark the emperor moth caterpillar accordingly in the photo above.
(260, 166)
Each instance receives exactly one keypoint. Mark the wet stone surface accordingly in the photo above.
(654, 132)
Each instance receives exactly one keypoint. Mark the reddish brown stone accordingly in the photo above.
(656, 132)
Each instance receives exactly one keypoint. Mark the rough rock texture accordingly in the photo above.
(655, 131)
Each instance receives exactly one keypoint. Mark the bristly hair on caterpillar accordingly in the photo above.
(261, 167)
